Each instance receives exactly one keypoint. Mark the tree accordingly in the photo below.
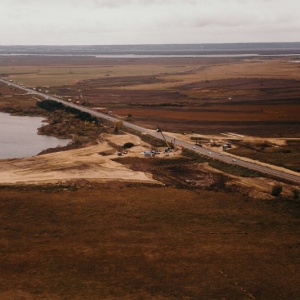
(296, 194)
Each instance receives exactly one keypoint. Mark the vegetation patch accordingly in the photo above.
(69, 122)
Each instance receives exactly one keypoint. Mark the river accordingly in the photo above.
(19, 138)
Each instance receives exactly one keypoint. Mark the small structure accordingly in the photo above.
(147, 153)
(226, 146)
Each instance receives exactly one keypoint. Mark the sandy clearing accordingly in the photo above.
(84, 163)
(123, 138)
(225, 136)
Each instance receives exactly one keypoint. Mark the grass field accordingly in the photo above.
(57, 75)
(119, 242)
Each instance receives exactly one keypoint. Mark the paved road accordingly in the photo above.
(210, 153)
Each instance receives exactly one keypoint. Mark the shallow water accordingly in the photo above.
(19, 138)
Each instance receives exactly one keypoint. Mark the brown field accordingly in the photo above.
(245, 106)
(247, 96)
(118, 242)
(199, 235)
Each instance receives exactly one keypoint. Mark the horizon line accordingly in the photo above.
(148, 44)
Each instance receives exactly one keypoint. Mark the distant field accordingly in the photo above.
(68, 73)
(252, 96)
(237, 113)
(33, 71)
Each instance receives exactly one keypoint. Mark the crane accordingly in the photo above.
(168, 145)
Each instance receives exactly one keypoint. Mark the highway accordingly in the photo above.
(266, 169)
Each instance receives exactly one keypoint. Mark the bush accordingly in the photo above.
(276, 191)
(128, 145)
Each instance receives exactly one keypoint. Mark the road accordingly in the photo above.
(266, 169)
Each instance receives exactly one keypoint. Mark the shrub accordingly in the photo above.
(276, 191)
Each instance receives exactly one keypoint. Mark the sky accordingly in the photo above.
(117, 22)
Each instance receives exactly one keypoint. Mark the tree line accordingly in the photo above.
(51, 105)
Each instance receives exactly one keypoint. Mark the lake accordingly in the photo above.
(19, 138)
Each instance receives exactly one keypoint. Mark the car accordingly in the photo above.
(194, 147)
(234, 160)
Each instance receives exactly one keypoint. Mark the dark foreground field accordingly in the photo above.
(115, 242)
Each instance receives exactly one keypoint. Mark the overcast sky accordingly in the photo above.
(106, 22)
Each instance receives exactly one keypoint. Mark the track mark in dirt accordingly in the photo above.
(235, 284)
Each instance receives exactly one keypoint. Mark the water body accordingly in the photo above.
(19, 138)
(128, 56)
(159, 50)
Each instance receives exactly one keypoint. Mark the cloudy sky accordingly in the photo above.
(106, 22)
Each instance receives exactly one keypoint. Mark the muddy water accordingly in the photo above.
(19, 138)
